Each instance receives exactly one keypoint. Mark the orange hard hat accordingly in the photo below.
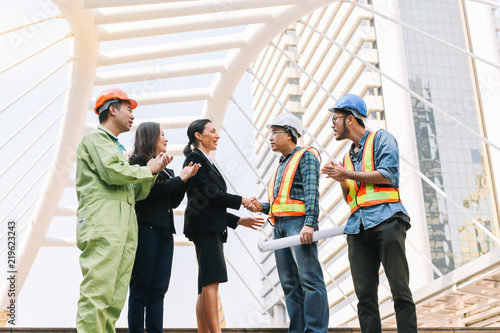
(111, 96)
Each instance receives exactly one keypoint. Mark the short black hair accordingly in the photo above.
(347, 112)
(104, 115)
(294, 139)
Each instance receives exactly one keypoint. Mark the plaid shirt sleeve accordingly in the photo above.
(265, 207)
(309, 172)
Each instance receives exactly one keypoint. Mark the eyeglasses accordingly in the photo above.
(334, 119)
(273, 133)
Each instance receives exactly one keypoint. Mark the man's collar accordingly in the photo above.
(361, 143)
(112, 137)
(107, 132)
(282, 158)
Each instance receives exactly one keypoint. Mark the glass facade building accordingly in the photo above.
(451, 157)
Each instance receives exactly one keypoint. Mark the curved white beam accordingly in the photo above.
(174, 49)
(170, 96)
(121, 3)
(239, 60)
(159, 72)
(180, 24)
(165, 10)
(81, 78)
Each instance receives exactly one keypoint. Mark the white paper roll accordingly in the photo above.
(281, 243)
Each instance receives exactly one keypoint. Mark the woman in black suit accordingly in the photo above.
(206, 220)
(155, 218)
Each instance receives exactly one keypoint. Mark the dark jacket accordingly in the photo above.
(208, 200)
(165, 195)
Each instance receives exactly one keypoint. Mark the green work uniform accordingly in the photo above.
(107, 187)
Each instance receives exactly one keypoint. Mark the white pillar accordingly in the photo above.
(399, 119)
(485, 44)
(81, 79)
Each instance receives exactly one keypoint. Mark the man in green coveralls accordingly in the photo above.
(107, 188)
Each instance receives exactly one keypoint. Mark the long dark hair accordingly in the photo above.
(146, 136)
(197, 126)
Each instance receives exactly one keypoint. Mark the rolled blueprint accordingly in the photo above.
(281, 243)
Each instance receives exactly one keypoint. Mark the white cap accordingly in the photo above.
(288, 120)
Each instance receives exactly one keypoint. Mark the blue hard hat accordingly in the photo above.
(353, 103)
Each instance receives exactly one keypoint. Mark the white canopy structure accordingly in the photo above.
(194, 53)
(93, 23)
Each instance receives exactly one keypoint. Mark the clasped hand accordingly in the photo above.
(251, 222)
(252, 204)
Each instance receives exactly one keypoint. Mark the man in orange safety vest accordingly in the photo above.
(376, 228)
(293, 210)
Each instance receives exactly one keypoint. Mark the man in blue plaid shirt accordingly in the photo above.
(293, 209)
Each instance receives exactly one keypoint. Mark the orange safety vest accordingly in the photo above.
(283, 205)
(368, 194)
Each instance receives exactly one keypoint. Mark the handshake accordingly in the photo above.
(252, 204)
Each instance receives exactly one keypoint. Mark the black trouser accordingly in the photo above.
(150, 279)
(384, 244)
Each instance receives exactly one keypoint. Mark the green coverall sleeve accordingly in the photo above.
(112, 167)
(142, 189)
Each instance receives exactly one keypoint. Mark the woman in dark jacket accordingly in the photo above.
(206, 220)
(155, 218)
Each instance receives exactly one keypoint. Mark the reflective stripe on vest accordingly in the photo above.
(368, 194)
(283, 205)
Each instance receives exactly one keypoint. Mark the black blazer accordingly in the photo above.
(165, 195)
(208, 199)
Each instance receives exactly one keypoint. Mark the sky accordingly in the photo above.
(50, 293)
